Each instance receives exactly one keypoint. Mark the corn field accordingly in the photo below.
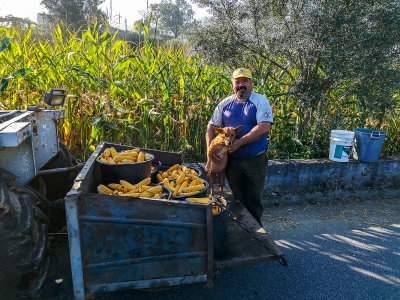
(149, 96)
(153, 95)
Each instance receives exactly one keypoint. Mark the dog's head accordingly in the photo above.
(228, 133)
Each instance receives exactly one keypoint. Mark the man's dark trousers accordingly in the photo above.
(246, 179)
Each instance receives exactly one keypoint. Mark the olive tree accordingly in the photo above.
(315, 47)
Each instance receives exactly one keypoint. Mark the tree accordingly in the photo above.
(316, 46)
(74, 13)
(172, 16)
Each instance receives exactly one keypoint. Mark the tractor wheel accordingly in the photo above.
(23, 240)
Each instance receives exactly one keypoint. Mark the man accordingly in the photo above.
(247, 164)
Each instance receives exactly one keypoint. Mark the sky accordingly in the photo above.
(121, 10)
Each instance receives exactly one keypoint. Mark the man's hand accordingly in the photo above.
(216, 158)
(237, 143)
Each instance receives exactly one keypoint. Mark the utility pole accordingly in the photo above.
(111, 15)
(126, 28)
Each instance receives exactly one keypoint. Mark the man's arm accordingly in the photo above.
(210, 134)
(256, 133)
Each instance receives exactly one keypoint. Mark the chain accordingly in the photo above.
(281, 259)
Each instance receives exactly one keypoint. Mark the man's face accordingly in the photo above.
(242, 86)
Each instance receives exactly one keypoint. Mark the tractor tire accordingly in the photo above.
(23, 240)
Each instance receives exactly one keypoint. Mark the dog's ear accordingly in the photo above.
(237, 129)
(218, 129)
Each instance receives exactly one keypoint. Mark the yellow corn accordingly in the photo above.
(115, 186)
(167, 184)
(141, 157)
(126, 161)
(180, 179)
(174, 167)
(193, 189)
(104, 160)
(143, 188)
(174, 174)
(113, 152)
(132, 194)
(146, 194)
(159, 177)
(199, 200)
(194, 182)
(147, 156)
(127, 185)
(120, 158)
(110, 160)
(102, 189)
(155, 189)
(198, 179)
(182, 187)
(106, 152)
(130, 152)
(143, 182)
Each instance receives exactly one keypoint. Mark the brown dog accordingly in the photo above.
(219, 147)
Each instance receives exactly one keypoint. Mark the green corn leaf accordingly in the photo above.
(4, 84)
(21, 73)
(5, 44)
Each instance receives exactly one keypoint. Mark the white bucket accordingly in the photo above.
(341, 141)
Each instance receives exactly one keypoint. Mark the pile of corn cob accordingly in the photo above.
(111, 156)
(124, 188)
(175, 171)
(186, 183)
(216, 209)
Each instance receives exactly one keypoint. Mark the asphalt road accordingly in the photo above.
(336, 250)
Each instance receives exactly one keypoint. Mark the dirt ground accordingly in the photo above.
(370, 212)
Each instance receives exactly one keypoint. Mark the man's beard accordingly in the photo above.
(242, 93)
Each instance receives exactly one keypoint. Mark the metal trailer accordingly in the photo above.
(135, 243)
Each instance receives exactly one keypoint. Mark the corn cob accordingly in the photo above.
(155, 189)
(103, 160)
(102, 189)
(113, 152)
(141, 157)
(194, 189)
(131, 194)
(198, 179)
(159, 177)
(174, 174)
(146, 194)
(199, 200)
(127, 161)
(106, 152)
(174, 167)
(141, 183)
(194, 182)
(111, 160)
(115, 186)
(120, 158)
(182, 187)
(143, 188)
(180, 179)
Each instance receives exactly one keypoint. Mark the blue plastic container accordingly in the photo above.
(368, 144)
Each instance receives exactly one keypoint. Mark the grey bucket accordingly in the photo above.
(368, 144)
